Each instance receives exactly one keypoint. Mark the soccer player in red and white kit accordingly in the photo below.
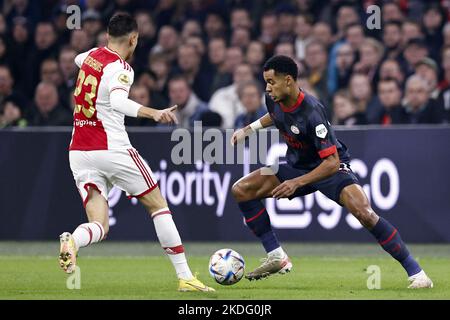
(101, 155)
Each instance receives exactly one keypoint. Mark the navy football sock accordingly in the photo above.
(257, 219)
(389, 239)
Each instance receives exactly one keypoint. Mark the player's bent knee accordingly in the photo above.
(153, 201)
(240, 191)
(365, 214)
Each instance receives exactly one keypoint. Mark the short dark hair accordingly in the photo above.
(395, 23)
(282, 64)
(179, 77)
(390, 79)
(251, 83)
(121, 24)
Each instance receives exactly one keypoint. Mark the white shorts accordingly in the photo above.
(103, 169)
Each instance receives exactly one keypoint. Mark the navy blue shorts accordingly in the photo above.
(331, 186)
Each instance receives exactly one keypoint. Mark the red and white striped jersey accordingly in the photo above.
(96, 125)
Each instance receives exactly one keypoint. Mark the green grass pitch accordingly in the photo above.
(112, 270)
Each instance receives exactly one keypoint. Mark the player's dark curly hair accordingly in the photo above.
(121, 24)
(282, 64)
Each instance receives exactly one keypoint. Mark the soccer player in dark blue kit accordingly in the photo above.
(316, 160)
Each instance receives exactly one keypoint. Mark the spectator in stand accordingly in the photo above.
(390, 68)
(19, 50)
(190, 107)
(190, 28)
(159, 65)
(217, 49)
(345, 111)
(390, 96)
(303, 83)
(417, 105)
(392, 38)
(446, 35)
(361, 92)
(24, 8)
(3, 25)
(433, 22)
(255, 57)
(240, 37)
(445, 64)
(285, 48)
(303, 32)
(411, 30)
(225, 101)
(234, 56)
(48, 111)
(354, 36)
(344, 64)
(11, 115)
(80, 41)
(45, 46)
(51, 73)
(427, 69)
(415, 51)
(240, 18)
(322, 32)
(167, 44)
(269, 31)
(68, 69)
(92, 23)
(443, 100)
(249, 95)
(148, 79)
(214, 25)
(316, 64)
(7, 91)
(5, 58)
(147, 39)
(286, 22)
(190, 67)
(370, 54)
(391, 11)
(346, 15)
(198, 44)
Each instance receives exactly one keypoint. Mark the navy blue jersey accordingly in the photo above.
(307, 132)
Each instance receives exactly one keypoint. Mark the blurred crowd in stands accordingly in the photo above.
(207, 57)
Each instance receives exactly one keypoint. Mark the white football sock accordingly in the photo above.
(277, 253)
(170, 240)
(88, 233)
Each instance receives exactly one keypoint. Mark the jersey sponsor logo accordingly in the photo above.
(124, 79)
(295, 130)
(82, 123)
(292, 142)
(321, 131)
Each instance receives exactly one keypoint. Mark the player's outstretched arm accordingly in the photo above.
(121, 103)
(240, 134)
(163, 116)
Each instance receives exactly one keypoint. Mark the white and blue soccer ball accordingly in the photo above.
(226, 266)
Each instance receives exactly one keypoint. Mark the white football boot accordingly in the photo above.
(420, 280)
(270, 265)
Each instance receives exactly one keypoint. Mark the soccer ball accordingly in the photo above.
(226, 266)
